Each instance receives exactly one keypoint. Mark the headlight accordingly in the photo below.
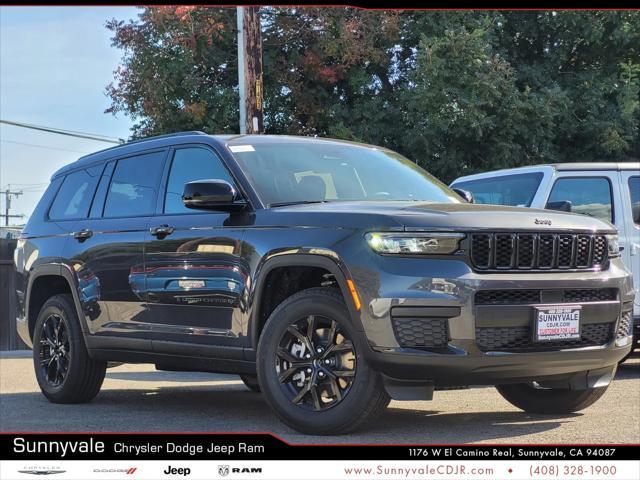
(614, 246)
(414, 243)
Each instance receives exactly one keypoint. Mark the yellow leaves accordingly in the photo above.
(196, 110)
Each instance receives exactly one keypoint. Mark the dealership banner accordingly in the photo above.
(264, 456)
(318, 469)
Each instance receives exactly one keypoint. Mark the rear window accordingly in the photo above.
(513, 190)
(74, 197)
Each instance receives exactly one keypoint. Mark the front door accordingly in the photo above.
(195, 272)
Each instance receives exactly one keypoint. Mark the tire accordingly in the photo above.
(549, 400)
(346, 395)
(78, 378)
(251, 382)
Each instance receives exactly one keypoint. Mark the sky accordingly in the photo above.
(55, 63)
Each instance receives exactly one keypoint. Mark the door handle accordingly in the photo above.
(82, 235)
(635, 248)
(161, 231)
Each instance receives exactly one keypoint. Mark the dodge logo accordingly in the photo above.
(542, 221)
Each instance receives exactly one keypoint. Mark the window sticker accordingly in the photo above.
(241, 148)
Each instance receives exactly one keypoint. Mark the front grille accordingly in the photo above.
(624, 326)
(533, 251)
(421, 332)
(519, 339)
(523, 296)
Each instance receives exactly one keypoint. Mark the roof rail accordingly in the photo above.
(145, 139)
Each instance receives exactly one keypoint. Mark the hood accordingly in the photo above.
(409, 216)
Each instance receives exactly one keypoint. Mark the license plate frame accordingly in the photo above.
(559, 323)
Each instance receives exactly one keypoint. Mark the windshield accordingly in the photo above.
(318, 171)
(515, 190)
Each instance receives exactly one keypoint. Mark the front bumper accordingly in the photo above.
(495, 368)
(401, 284)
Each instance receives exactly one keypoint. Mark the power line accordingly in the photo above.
(41, 146)
(70, 133)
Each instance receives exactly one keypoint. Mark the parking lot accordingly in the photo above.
(138, 398)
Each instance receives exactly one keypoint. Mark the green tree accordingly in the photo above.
(179, 70)
(458, 92)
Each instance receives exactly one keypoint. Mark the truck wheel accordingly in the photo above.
(64, 370)
(251, 382)
(310, 368)
(532, 399)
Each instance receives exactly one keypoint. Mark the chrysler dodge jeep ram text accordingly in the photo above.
(329, 275)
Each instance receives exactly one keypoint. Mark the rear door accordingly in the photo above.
(630, 190)
(195, 270)
(107, 250)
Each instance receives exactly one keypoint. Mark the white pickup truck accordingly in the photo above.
(609, 191)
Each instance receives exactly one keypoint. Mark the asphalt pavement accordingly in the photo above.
(137, 398)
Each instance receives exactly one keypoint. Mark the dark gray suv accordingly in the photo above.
(332, 276)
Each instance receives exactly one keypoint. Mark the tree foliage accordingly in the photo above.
(458, 92)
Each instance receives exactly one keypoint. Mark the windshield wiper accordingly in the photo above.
(297, 202)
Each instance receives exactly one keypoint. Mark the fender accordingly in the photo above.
(58, 270)
(300, 257)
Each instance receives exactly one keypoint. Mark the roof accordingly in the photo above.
(160, 141)
(597, 166)
(575, 166)
(135, 146)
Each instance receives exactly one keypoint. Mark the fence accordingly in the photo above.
(8, 338)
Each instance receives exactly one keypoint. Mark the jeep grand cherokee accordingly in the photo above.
(332, 276)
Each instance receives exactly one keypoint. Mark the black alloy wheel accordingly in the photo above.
(54, 350)
(315, 363)
(65, 371)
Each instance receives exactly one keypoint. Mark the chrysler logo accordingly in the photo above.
(41, 472)
(542, 221)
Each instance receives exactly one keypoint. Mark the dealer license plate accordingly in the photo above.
(560, 322)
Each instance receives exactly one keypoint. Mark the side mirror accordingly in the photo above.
(465, 194)
(212, 195)
(562, 206)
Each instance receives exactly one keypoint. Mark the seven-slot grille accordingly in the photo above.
(537, 251)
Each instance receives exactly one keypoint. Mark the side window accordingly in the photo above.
(515, 190)
(133, 187)
(634, 192)
(190, 164)
(74, 197)
(587, 195)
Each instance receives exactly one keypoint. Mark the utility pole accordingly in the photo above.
(250, 69)
(7, 205)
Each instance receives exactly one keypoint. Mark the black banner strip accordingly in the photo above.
(174, 446)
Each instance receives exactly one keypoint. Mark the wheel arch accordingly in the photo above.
(326, 260)
(61, 280)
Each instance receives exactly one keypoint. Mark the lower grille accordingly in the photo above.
(519, 339)
(519, 297)
(421, 332)
(624, 326)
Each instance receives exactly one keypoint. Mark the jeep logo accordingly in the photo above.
(542, 221)
(177, 471)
